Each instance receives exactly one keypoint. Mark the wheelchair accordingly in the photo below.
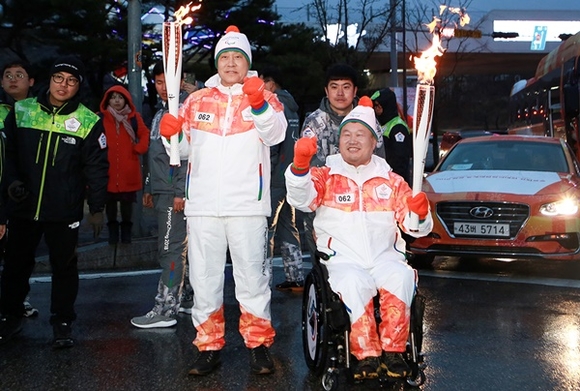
(326, 328)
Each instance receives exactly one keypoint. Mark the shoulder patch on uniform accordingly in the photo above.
(399, 137)
(72, 124)
(103, 141)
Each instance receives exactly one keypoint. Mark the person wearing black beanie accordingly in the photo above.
(56, 157)
(69, 64)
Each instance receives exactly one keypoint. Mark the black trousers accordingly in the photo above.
(23, 239)
(126, 210)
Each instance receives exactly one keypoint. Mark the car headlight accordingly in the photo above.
(566, 207)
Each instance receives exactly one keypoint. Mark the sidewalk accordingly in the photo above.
(99, 255)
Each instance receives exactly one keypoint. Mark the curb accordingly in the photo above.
(140, 254)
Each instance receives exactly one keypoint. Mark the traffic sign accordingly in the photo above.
(539, 38)
(460, 33)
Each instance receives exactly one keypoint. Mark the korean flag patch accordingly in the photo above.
(103, 141)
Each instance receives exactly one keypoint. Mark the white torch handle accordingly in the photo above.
(420, 143)
(172, 67)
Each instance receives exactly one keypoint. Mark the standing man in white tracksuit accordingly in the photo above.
(231, 126)
(360, 203)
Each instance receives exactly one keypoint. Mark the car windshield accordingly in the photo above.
(506, 155)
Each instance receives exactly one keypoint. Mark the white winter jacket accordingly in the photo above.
(229, 150)
(358, 209)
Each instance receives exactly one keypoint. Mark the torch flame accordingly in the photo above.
(180, 14)
(464, 18)
(426, 65)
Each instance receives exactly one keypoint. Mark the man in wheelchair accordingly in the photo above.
(360, 204)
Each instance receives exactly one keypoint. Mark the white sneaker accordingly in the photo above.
(184, 310)
(152, 320)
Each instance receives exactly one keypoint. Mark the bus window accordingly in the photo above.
(554, 96)
(549, 103)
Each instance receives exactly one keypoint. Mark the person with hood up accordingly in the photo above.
(128, 139)
(396, 134)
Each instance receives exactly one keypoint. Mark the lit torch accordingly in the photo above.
(423, 112)
(172, 67)
(424, 99)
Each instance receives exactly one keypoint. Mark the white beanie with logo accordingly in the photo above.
(236, 41)
(363, 114)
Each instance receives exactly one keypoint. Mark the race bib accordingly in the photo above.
(205, 117)
(347, 198)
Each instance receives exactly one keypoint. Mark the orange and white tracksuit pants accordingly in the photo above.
(209, 239)
(356, 285)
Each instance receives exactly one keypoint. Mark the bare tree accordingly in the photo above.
(463, 99)
(371, 18)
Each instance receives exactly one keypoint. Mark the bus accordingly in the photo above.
(548, 104)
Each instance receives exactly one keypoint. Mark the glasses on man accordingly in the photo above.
(14, 76)
(70, 81)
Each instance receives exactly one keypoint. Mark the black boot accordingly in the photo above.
(113, 232)
(126, 232)
(62, 335)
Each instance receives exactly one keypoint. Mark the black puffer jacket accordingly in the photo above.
(60, 156)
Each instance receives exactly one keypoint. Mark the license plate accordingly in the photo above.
(481, 229)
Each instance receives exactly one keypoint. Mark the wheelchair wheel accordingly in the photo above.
(315, 328)
(330, 380)
(414, 355)
(417, 313)
(416, 380)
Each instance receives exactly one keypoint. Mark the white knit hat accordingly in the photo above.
(236, 41)
(363, 114)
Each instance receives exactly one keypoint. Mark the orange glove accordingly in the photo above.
(304, 149)
(254, 88)
(419, 204)
(170, 125)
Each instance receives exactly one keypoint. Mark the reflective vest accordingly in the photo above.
(392, 123)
